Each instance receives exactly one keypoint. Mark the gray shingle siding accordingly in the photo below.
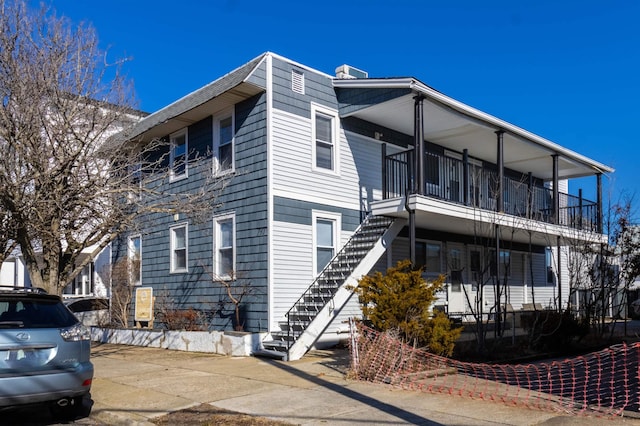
(300, 212)
(356, 99)
(318, 88)
(246, 196)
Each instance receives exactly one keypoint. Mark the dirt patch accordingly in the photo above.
(206, 414)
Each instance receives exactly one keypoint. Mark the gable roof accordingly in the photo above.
(226, 90)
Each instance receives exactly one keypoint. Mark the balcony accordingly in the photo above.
(473, 185)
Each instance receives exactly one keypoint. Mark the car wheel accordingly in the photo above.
(67, 409)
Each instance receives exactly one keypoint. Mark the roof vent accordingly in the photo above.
(347, 71)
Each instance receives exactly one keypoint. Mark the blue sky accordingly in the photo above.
(566, 70)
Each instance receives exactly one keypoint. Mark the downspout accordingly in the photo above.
(499, 208)
(419, 172)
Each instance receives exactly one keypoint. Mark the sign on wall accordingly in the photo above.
(144, 304)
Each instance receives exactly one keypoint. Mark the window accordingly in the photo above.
(135, 174)
(324, 137)
(224, 242)
(548, 261)
(455, 268)
(475, 268)
(297, 81)
(223, 143)
(178, 156)
(135, 260)
(179, 248)
(428, 255)
(504, 264)
(325, 238)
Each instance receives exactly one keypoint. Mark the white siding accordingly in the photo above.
(292, 266)
(358, 182)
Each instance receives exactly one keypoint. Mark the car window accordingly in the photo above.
(34, 313)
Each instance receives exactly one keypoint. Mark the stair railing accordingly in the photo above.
(335, 260)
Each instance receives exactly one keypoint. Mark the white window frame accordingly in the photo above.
(217, 238)
(183, 132)
(217, 167)
(335, 139)
(130, 256)
(172, 255)
(336, 218)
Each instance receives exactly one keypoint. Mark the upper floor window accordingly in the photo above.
(178, 157)
(179, 248)
(224, 242)
(223, 143)
(324, 129)
(135, 260)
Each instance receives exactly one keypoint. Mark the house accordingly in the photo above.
(94, 280)
(332, 176)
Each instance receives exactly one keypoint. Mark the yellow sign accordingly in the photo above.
(144, 304)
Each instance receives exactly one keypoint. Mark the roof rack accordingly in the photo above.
(11, 288)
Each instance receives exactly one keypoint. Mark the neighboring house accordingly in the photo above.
(322, 190)
(93, 281)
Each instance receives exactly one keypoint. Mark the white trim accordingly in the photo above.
(270, 195)
(335, 139)
(182, 132)
(172, 268)
(336, 219)
(217, 119)
(216, 238)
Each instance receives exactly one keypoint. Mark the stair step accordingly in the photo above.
(266, 353)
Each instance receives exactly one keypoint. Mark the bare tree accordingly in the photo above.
(67, 183)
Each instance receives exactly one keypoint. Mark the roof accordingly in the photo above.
(458, 126)
(188, 109)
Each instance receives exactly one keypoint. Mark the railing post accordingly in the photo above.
(418, 136)
(530, 196)
(556, 193)
(385, 176)
(580, 208)
(465, 177)
(500, 161)
(599, 203)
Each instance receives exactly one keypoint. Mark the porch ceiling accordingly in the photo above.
(456, 126)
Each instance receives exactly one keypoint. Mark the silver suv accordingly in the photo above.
(44, 352)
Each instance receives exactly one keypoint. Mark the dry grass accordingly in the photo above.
(208, 415)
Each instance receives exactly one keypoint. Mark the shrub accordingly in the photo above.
(186, 319)
(402, 300)
(552, 330)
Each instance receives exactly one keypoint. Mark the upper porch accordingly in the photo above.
(464, 171)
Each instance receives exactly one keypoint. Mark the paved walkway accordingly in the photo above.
(133, 385)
